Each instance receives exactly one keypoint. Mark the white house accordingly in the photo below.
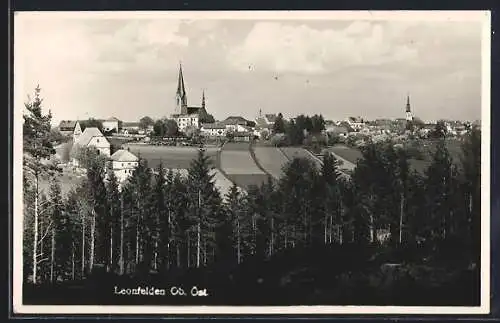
(186, 120)
(356, 123)
(111, 124)
(270, 118)
(122, 163)
(213, 130)
(90, 137)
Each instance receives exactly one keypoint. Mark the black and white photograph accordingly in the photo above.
(251, 162)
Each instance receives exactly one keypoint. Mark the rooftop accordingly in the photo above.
(87, 135)
(123, 155)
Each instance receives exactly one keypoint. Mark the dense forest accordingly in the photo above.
(163, 225)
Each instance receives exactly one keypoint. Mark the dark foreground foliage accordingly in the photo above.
(327, 275)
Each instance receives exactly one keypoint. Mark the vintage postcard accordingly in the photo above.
(251, 162)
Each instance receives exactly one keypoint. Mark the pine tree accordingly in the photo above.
(471, 165)
(73, 234)
(233, 232)
(36, 148)
(204, 206)
(99, 225)
(330, 199)
(114, 220)
(58, 232)
(162, 226)
(439, 186)
(297, 187)
(279, 124)
(140, 187)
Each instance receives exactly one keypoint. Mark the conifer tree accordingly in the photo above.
(59, 231)
(162, 221)
(233, 232)
(204, 206)
(36, 148)
(140, 188)
(73, 234)
(471, 165)
(439, 188)
(114, 216)
(99, 226)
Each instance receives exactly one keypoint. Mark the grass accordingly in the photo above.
(170, 157)
(271, 159)
(428, 147)
(297, 152)
(245, 181)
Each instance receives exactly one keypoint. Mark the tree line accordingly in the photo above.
(160, 221)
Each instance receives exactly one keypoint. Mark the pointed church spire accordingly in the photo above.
(181, 90)
(203, 100)
(408, 109)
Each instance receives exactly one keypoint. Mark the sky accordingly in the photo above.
(126, 65)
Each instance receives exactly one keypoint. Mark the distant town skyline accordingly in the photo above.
(128, 67)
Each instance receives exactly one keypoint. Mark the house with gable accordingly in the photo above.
(67, 127)
(112, 124)
(122, 163)
(90, 137)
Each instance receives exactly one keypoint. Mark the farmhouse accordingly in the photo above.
(90, 137)
(122, 163)
(270, 118)
(111, 124)
(67, 127)
(129, 128)
(213, 130)
(236, 123)
(356, 123)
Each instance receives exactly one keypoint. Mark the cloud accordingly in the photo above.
(286, 48)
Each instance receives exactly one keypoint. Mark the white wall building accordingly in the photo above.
(187, 120)
(357, 123)
(213, 130)
(90, 137)
(123, 163)
(111, 124)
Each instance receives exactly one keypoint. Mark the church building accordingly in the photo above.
(409, 115)
(187, 116)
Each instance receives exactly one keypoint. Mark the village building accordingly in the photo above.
(122, 163)
(130, 128)
(213, 130)
(337, 130)
(90, 137)
(236, 124)
(356, 123)
(270, 118)
(187, 116)
(112, 125)
(67, 127)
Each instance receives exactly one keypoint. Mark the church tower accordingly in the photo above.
(409, 115)
(180, 95)
(203, 100)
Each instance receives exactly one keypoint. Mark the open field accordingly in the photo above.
(169, 156)
(297, 152)
(271, 159)
(240, 168)
(240, 146)
(221, 182)
(428, 147)
(238, 162)
(350, 155)
(68, 182)
(245, 181)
